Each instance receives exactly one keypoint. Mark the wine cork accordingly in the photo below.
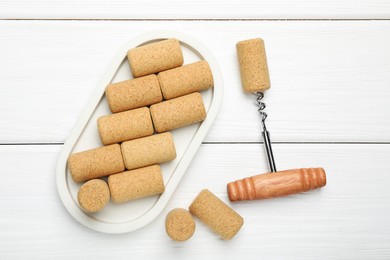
(179, 224)
(149, 150)
(96, 163)
(155, 57)
(125, 126)
(277, 184)
(178, 112)
(93, 195)
(134, 93)
(135, 184)
(216, 214)
(186, 79)
(253, 65)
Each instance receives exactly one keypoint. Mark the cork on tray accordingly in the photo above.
(125, 126)
(134, 93)
(253, 65)
(179, 224)
(135, 184)
(216, 214)
(93, 195)
(186, 79)
(96, 163)
(155, 57)
(178, 112)
(149, 150)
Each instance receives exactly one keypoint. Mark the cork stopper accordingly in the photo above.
(93, 195)
(178, 112)
(125, 126)
(135, 184)
(253, 65)
(186, 79)
(149, 150)
(96, 163)
(216, 214)
(277, 184)
(179, 224)
(155, 57)
(134, 93)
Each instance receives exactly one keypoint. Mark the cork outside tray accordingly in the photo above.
(122, 218)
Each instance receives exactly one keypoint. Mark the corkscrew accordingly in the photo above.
(266, 135)
(255, 79)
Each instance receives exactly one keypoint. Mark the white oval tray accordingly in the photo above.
(133, 215)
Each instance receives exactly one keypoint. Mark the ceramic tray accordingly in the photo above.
(132, 215)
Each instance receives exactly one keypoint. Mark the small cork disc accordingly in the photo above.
(179, 224)
(93, 195)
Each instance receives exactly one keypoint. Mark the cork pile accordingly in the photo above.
(208, 208)
(164, 95)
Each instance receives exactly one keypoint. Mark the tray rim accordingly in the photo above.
(61, 175)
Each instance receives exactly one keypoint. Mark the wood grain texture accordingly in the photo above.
(173, 9)
(330, 79)
(276, 184)
(330, 83)
(347, 219)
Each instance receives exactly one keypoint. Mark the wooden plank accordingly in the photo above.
(346, 219)
(330, 79)
(200, 9)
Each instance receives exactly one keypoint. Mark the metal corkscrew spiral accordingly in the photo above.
(261, 106)
(266, 136)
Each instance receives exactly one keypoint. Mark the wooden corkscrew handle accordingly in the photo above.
(276, 184)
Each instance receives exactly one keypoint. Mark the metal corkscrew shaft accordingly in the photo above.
(266, 135)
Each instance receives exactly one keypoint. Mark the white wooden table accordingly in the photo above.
(329, 106)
